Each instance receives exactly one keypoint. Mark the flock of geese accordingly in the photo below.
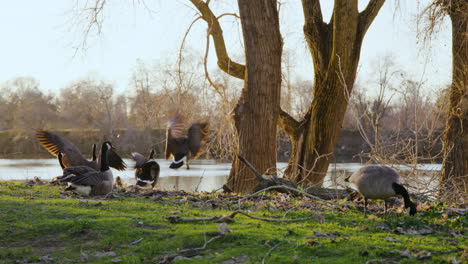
(94, 177)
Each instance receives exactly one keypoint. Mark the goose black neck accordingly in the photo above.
(94, 152)
(151, 155)
(399, 189)
(60, 156)
(104, 161)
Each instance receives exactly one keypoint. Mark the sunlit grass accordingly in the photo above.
(36, 222)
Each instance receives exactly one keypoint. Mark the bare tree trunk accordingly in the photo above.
(256, 113)
(335, 48)
(455, 165)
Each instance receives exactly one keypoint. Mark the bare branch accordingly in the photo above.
(368, 15)
(185, 252)
(230, 218)
(297, 191)
(228, 14)
(271, 249)
(183, 41)
(92, 16)
(224, 62)
(205, 67)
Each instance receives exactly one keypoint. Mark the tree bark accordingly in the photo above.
(455, 164)
(335, 48)
(256, 113)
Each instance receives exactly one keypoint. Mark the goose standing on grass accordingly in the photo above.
(182, 146)
(71, 155)
(380, 182)
(146, 169)
(87, 181)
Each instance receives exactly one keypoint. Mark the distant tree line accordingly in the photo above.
(386, 108)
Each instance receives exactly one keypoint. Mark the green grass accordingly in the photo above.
(37, 223)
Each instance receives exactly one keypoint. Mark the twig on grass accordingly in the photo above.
(270, 250)
(230, 218)
(187, 252)
(136, 241)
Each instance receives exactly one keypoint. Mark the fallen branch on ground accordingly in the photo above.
(286, 186)
(298, 191)
(230, 218)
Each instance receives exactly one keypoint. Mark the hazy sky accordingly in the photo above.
(38, 39)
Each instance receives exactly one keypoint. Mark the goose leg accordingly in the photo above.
(365, 206)
(187, 161)
(385, 208)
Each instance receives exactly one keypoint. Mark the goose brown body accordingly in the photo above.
(380, 182)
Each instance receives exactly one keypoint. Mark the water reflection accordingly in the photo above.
(204, 175)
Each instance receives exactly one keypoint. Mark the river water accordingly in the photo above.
(204, 175)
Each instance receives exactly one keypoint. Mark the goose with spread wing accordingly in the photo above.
(72, 156)
(146, 169)
(87, 181)
(183, 146)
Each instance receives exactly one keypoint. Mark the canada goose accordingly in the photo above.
(87, 181)
(72, 156)
(146, 169)
(180, 145)
(380, 182)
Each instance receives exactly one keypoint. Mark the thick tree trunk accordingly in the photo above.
(335, 48)
(256, 113)
(455, 165)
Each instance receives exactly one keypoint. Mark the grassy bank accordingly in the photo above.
(39, 224)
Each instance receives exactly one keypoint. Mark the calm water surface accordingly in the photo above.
(204, 175)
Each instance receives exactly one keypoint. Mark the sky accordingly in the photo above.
(38, 40)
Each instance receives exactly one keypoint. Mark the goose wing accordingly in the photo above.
(90, 178)
(54, 144)
(197, 137)
(114, 159)
(78, 170)
(139, 159)
(174, 135)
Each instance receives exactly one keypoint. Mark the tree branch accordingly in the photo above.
(317, 33)
(367, 15)
(288, 124)
(224, 62)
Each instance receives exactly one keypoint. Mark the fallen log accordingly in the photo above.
(266, 181)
